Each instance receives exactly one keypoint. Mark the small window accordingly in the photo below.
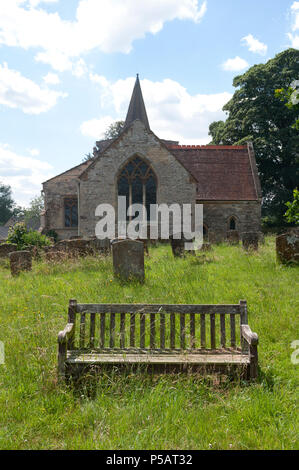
(232, 223)
(71, 212)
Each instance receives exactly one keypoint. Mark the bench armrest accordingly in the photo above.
(63, 336)
(251, 338)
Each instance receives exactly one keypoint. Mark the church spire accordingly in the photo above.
(137, 108)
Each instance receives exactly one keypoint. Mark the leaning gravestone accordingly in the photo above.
(128, 259)
(20, 261)
(232, 237)
(287, 247)
(250, 240)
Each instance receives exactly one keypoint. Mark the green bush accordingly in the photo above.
(19, 235)
(52, 234)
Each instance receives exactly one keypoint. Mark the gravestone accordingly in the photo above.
(178, 244)
(232, 237)
(20, 261)
(287, 247)
(250, 240)
(6, 249)
(206, 247)
(128, 259)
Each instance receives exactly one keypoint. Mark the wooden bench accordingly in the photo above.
(160, 337)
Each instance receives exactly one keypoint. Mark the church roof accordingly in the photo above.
(137, 108)
(223, 173)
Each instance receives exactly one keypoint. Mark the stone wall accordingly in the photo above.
(55, 192)
(216, 217)
(98, 185)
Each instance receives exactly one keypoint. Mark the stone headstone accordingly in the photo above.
(232, 237)
(128, 259)
(250, 240)
(20, 261)
(206, 247)
(178, 244)
(287, 247)
(6, 248)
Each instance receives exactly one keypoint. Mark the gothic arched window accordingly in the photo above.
(137, 182)
(232, 223)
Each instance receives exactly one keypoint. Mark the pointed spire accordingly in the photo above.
(137, 108)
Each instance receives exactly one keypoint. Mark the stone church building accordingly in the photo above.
(146, 169)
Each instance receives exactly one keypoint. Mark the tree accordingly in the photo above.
(291, 98)
(32, 214)
(114, 130)
(292, 214)
(7, 203)
(254, 113)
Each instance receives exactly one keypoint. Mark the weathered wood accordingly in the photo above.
(192, 331)
(233, 309)
(102, 330)
(132, 329)
(172, 330)
(112, 330)
(213, 331)
(202, 330)
(142, 330)
(82, 330)
(122, 330)
(92, 329)
(182, 331)
(181, 355)
(152, 330)
(72, 319)
(232, 331)
(162, 330)
(222, 330)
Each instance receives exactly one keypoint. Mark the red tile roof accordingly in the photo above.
(224, 173)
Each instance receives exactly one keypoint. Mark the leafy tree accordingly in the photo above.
(19, 235)
(292, 214)
(114, 130)
(7, 203)
(291, 97)
(254, 113)
(32, 214)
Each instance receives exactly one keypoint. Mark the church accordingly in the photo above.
(149, 170)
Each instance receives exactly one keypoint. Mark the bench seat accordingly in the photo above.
(171, 357)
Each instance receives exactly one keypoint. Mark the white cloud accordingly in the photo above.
(294, 38)
(235, 65)
(107, 25)
(20, 92)
(34, 152)
(51, 79)
(254, 45)
(23, 174)
(173, 113)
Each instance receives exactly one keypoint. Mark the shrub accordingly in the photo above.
(52, 234)
(19, 235)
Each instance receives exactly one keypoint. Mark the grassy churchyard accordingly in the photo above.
(142, 411)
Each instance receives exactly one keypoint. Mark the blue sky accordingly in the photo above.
(67, 69)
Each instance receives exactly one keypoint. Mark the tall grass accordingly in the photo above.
(142, 411)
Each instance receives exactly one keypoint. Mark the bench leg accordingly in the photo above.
(253, 362)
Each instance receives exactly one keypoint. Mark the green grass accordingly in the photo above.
(140, 411)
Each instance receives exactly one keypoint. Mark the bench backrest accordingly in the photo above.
(156, 326)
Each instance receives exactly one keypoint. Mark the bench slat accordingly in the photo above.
(142, 330)
(92, 329)
(212, 329)
(82, 330)
(132, 329)
(152, 331)
(222, 330)
(122, 330)
(232, 331)
(102, 330)
(162, 331)
(203, 330)
(192, 330)
(172, 330)
(112, 330)
(232, 309)
(182, 331)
